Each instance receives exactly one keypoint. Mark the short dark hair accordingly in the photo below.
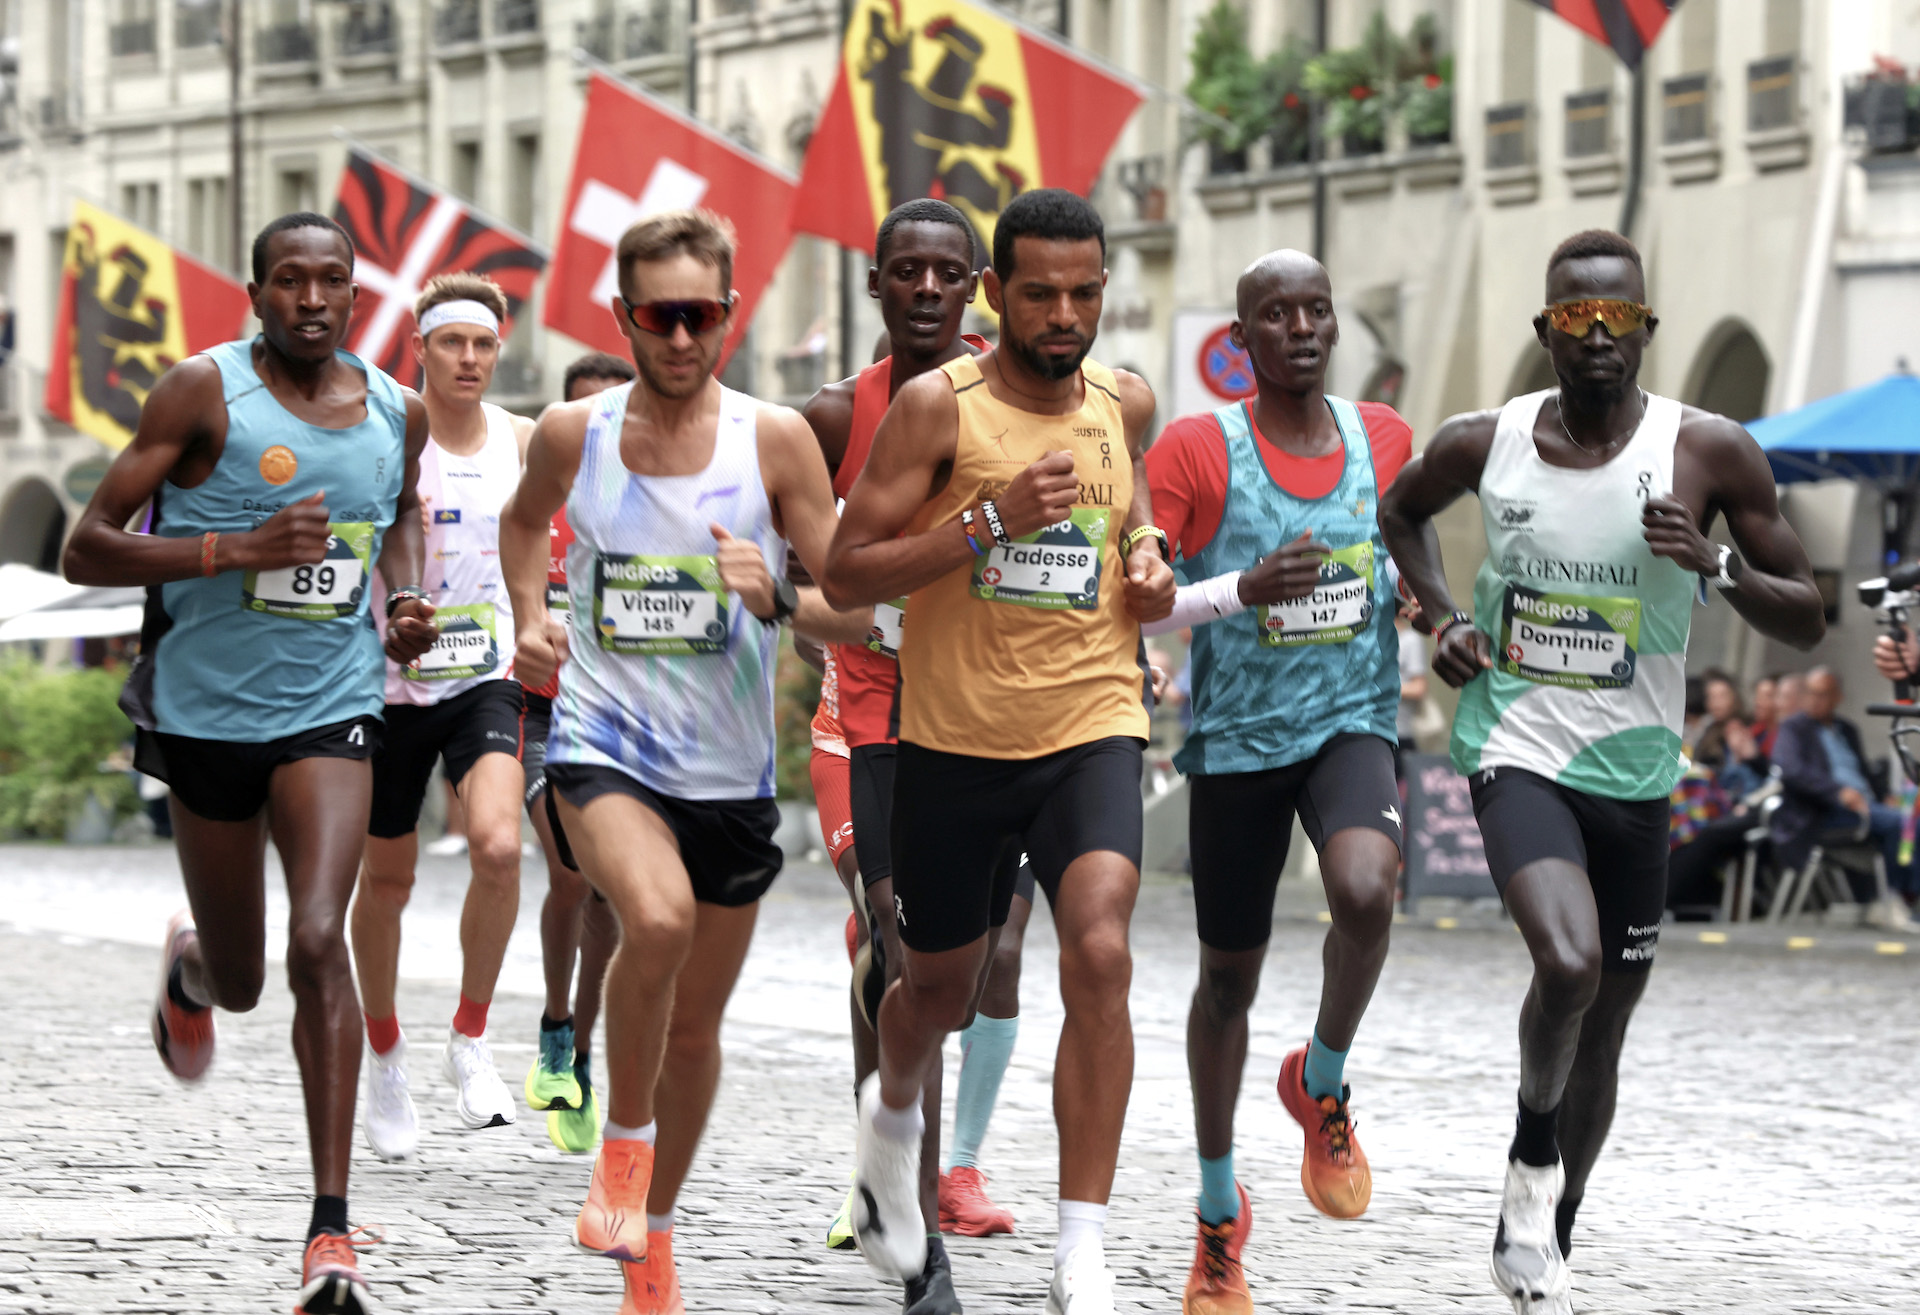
(926, 210)
(594, 365)
(1596, 242)
(1046, 212)
(286, 224)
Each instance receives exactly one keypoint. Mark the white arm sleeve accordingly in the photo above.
(1197, 604)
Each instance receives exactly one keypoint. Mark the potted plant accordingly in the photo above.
(1289, 104)
(1357, 86)
(1226, 82)
(1426, 85)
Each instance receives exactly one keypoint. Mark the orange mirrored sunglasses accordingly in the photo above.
(1576, 318)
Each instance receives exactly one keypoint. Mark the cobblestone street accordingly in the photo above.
(1762, 1161)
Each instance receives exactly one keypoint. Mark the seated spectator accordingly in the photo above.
(1827, 795)
(1709, 809)
(1727, 746)
(1694, 720)
(1766, 713)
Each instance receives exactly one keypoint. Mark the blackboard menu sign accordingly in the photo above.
(1444, 855)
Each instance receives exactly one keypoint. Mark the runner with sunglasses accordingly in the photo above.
(574, 921)
(280, 471)
(457, 705)
(682, 495)
(1004, 497)
(1271, 505)
(1596, 499)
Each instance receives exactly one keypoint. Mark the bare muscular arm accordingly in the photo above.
(1150, 584)
(403, 549)
(553, 459)
(829, 413)
(1448, 469)
(795, 474)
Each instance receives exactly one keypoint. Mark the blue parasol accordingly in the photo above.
(1870, 435)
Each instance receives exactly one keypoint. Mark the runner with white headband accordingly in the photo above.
(457, 705)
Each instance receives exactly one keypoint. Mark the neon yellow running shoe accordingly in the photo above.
(840, 1231)
(550, 1082)
(577, 1130)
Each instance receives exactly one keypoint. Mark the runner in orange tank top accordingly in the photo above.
(1005, 497)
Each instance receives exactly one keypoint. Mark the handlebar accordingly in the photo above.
(1893, 709)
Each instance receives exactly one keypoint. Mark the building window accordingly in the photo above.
(209, 226)
(131, 30)
(286, 33)
(1507, 142)
(296, 190)
(523, 183)
(196, 23)
(466, 170)
(140, 205)
(1771, 96)
(1684, 105)
(1589, 123)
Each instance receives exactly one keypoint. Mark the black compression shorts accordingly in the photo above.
(1621, 844)
(726, 845)
(960, 823)
(225, 781)
(1240, 825)
(870, 795)
(458, 731)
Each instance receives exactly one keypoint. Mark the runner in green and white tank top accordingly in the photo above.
(1589, 627)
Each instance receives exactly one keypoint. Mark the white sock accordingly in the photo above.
(1082, 1223)
(660, 1223)
(899, 1125)
(612, 1131)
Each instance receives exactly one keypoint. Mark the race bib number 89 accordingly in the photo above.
(1571, 640)
(1338, 609)
(1057, 567)
(659, 605)
(327, 589)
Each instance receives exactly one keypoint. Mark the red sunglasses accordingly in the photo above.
(701, 315)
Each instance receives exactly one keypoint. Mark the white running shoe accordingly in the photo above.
(1082, 1286)
(887, 1225)
(1527, 1266)
(480, 1097)
(392, 1128)
(447, 846)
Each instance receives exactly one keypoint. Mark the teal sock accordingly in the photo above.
(985, 1050)
(1219, 1197)
(1325, 1067)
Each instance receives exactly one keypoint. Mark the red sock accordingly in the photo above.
(470, 1019)
(383, 1034)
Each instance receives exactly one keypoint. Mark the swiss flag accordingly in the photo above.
(639, 155)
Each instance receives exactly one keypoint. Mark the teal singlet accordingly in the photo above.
(1273, 684)
(248, 656)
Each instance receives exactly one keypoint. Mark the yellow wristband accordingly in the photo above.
(1133, 538)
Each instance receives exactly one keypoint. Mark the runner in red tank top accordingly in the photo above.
(923, 277)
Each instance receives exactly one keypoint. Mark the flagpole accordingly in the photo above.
(844, 257)
(374, 152)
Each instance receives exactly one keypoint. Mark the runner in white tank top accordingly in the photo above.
(1596, 499)
(458, 706)
(681, 495)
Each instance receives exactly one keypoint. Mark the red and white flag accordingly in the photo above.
(404, 232)
(637, 156)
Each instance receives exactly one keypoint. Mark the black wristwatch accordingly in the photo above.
(786, 601)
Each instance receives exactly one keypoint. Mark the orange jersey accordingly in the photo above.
(1029, 648)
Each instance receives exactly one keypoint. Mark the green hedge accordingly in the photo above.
(56, 728)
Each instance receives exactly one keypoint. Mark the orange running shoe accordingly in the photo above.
(614, 1219)
(965, 1208)
(184, 1037)
(1217, 1285)
(330, 1282)
(1333, 1168)
(653, 1284)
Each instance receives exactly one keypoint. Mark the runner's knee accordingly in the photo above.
(1096, 968)
(654, 935)
(1226, 990)
(234, 985)
(495, 852)
(1566, 974)
(316, 954)
(1360, 898)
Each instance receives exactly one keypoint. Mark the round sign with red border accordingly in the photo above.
(1226, 369)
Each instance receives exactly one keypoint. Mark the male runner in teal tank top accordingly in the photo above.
(1270, 505)
(1596, 500)
(242, 574)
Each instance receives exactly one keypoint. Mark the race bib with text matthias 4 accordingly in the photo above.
(330, 588)
(1571, 640)
(1338, 609)
(1057, 567)
(659, 605)
(468, 645)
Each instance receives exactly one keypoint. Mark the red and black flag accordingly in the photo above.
(1629, 26)
(404, 232)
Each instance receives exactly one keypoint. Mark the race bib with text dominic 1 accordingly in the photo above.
(659, 605)
(1570, 640)
(468, 645)
(330, 588)
(1056, 567)
(1338, 609)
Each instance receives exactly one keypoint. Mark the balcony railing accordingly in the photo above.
(1684, 105)
(456, 21)
(515, 16)
(134, 38)
(1509, 143)
(284, 43)
(1772, 93)
(1590, 123)
(731, 8)
(615, 37)
(196, 23)
(368, 30)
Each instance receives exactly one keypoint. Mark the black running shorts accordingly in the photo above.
(534, 728)
(1621, 844)
(726, 845)
(224, 781)
(870, 794)
(482, 720)
(960, 824)
(1240, 825)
